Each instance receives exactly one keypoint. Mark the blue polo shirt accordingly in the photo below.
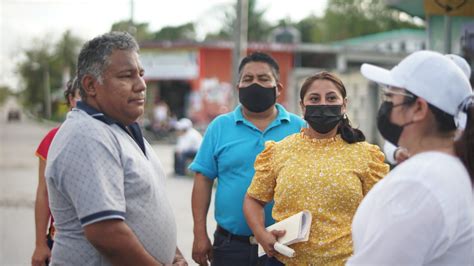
(228, 151)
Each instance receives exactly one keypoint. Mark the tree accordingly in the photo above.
(5, 91)
(45, 67)
(174, 33)
(139, 30)
(258, 28)
(66, 52)
(311, 29)
(31, 70)
(351, 18)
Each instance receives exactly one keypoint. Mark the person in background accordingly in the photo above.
(396, 155)
(422, 212)
(43, 245)
(326, 169)
(161, 118)
(228, 151)
(188, 143)
(106, 185)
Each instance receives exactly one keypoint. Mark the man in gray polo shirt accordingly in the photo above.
(106, 185)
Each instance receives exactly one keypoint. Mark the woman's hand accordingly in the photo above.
(40, 255)
(401, 154)
(268, 239)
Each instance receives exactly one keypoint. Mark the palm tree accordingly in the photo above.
(258, 28)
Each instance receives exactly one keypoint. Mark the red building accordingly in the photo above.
(194, 79)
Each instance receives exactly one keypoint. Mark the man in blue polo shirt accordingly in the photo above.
(228, 151)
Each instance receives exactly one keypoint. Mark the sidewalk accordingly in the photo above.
(179, 193)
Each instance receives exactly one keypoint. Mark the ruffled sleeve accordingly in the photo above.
(376, 168)
(264, 181)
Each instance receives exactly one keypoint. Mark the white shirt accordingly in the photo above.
(422, 213)
(160, 113)
(189, 141)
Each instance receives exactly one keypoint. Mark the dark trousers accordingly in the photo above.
(180, 161)
(229, 251)
(274, 262)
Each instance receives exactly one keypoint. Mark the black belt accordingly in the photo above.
(246, 239)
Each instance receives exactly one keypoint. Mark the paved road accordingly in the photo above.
(18, 180)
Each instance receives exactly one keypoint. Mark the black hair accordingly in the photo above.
(72, 87)
(264, 58)
(348, 133)
(444, 121)
(464, 146)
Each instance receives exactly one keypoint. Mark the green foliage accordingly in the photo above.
(66, 51)
(218, 36)
(343, 19)
(142, 33)
(32, 71)
(258, 28)
(139, 30)
(311, 29)
(4, 93)
(351, 18)
(47, 65)
(175, 33)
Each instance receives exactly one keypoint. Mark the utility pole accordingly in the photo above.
(240, 42)
(448, 7)
(132, 7)
(447, 33)
(47, 91)
(131, 27)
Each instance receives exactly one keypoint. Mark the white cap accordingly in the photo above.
(428, 75)
(184, 124)
(461, 63)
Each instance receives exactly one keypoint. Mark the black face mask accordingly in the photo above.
(389, 130)
(323, 118)
(257, 98)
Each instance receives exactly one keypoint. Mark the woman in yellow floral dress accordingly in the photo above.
(326, 169)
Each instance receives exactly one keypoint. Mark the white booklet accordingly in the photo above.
(297, 229)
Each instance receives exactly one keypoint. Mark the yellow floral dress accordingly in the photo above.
(329, 178)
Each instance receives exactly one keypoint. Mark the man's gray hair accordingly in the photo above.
(94, 56)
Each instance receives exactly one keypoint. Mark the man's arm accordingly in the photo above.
(117, 242)
(201, 198)
(179, 259)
